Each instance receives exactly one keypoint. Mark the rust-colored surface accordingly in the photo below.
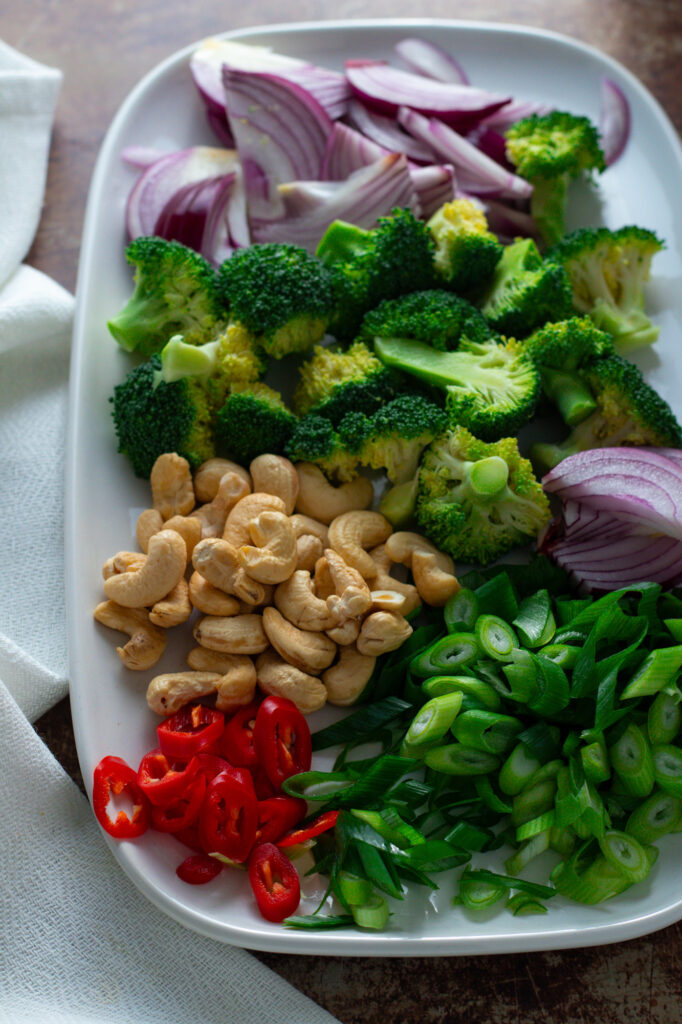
(103, 50)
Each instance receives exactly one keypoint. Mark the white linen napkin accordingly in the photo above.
(78, 943)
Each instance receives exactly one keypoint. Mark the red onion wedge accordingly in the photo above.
(512, 112)
(386, 89)
(431, 60)
(386, 132)
(614, 120)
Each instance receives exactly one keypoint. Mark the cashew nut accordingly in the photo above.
(173, 609)
(318, 498)
(248, 508)
(307, 650)
(172, 488)
(296, 600)
(169, 692)
(163, 567)
(273, 558)
(384, 581)
(345, 632)
(280, 679)
(308, 550)
(209, 599)
(232, 487)
(273, 474)
(189, 529)
(351, 533)
(382, 632)
(218, 562)
(123, 561)
(323, 582)
(209, 474)
(351, 597)
(237, 683)
(387, 601)
(147, 642)
(346, 680)
(233, 634)
(433, 571)
(149, 522)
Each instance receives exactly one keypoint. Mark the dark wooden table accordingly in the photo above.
(103, 50)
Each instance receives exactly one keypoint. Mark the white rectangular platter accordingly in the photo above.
(104, 498)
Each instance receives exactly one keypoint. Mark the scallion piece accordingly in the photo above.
(497, 597)
(495, 637)
(658, 815)
(473, 690)
(531, 828)
(564, 655)
(319, 922)
(631, 759)
(522, 905)
(658, 669)
(595, 760)
(461, 611)
(675, 628)
(535, 623)
(532, 802)
(458, 759)
(626, 854)
(374, 914)
(448, 654)
(517, 770)
(527, 852)
(476, 894)
(353, 889)
(317, 786)
(469, 837)
(434, 719)
(664, 717)
(486, 730)
(668, 768)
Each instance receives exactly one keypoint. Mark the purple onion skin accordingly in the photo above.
(615, 120)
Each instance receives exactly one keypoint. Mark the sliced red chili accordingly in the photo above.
(198, 869)
(181, 812)
(162, 780)
(277, 815)
(261, 783)
(274, 881)
(189, 837)
(189, 730)
(281, 737)
(315, 828)
(113, 777)
(236, 742)
(229, 818)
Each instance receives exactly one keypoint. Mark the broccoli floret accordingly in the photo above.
(280, 294)
(466, 251)
(176, 292)
(629, 412)
(152, 418)
(607, 271)
(491, 388)
(435, 316)
(561, 349)
(394, 437)
(477, 500)
(316, 440)
(526, 292)
(252, 421)
(232, 358)
(549, 150)
(369, 265)
(334, 382)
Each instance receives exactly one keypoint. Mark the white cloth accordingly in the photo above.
(78, 943)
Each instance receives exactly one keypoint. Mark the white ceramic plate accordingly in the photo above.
(103, 497)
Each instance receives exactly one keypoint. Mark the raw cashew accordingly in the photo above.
(163, 567)
(173, 609)
(273, 474)
(346, 680)
(273, 558)
(237, 683)
(296, 600)
(322, 581)
(149, 522)
(352, 533)
(232, 487)
(233, 634)
(433, 571)
(345, 633)
(147, 642)
(307, 650)
(218, 562)
(384, 581)
(321, 500)
(248, 508)
(189, 529)
(210, 473)
(169, 692)
(278, 678)
(387, 601)
(382, 632)
(209, 599)
(351, 597)
(123, 561)
(308, 550)
(172, 488)
(303, 525)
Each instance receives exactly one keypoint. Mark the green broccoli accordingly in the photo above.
(280, 294)
(152, 418)
(435, 316)
(232, 358)
(477, 500)
(607, 271)
(369, 265)
(315, 439)
(561, 349)
(629, 412)
(491, 388)
(393, 437)
(252, 421)
(549, 150)
(466, 251)
(176, 292)
(334, 382)
(526, 292)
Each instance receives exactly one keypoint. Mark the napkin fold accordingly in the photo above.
(78, 942)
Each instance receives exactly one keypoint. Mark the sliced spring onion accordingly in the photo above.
(448, 654)
(626, 854)
(458, 759)
(461, 611)
(668, 768)
(543, 892)
(517, 770)
(543, 823)
(317, 786)
(472, 689)
(319, 922)
(658, 669)
(363, 722)
(658, 815)
(353, 889)
(485, 790)
(495, 637)
(527, 852)
(564, 655)
(434, 719)
(632, 761)
(595, 760)
(469, 837)
(664, 718)
(522, 905)
(476, 894)
(497, 597)
(373, 914)
(535, 623)
(530, 803)
(488, 731)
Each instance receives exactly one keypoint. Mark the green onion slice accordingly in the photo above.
(374, 914)
(495, 637)
(626, 854)
(434, 719)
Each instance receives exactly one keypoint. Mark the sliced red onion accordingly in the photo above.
(614, 120)
(491, 142)
(141, 157)
(512, 112)
(431, 60)
(280, 131)
(476, 172)
(387, 133)
(434, 185)
(184, 215)
(169, 175)
(311, 206)
(348, 150)
(507, 222)
(386, 89)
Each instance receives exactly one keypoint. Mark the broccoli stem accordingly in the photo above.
(488, 477)
(571, 395)
(342, 242)
(179, 360)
